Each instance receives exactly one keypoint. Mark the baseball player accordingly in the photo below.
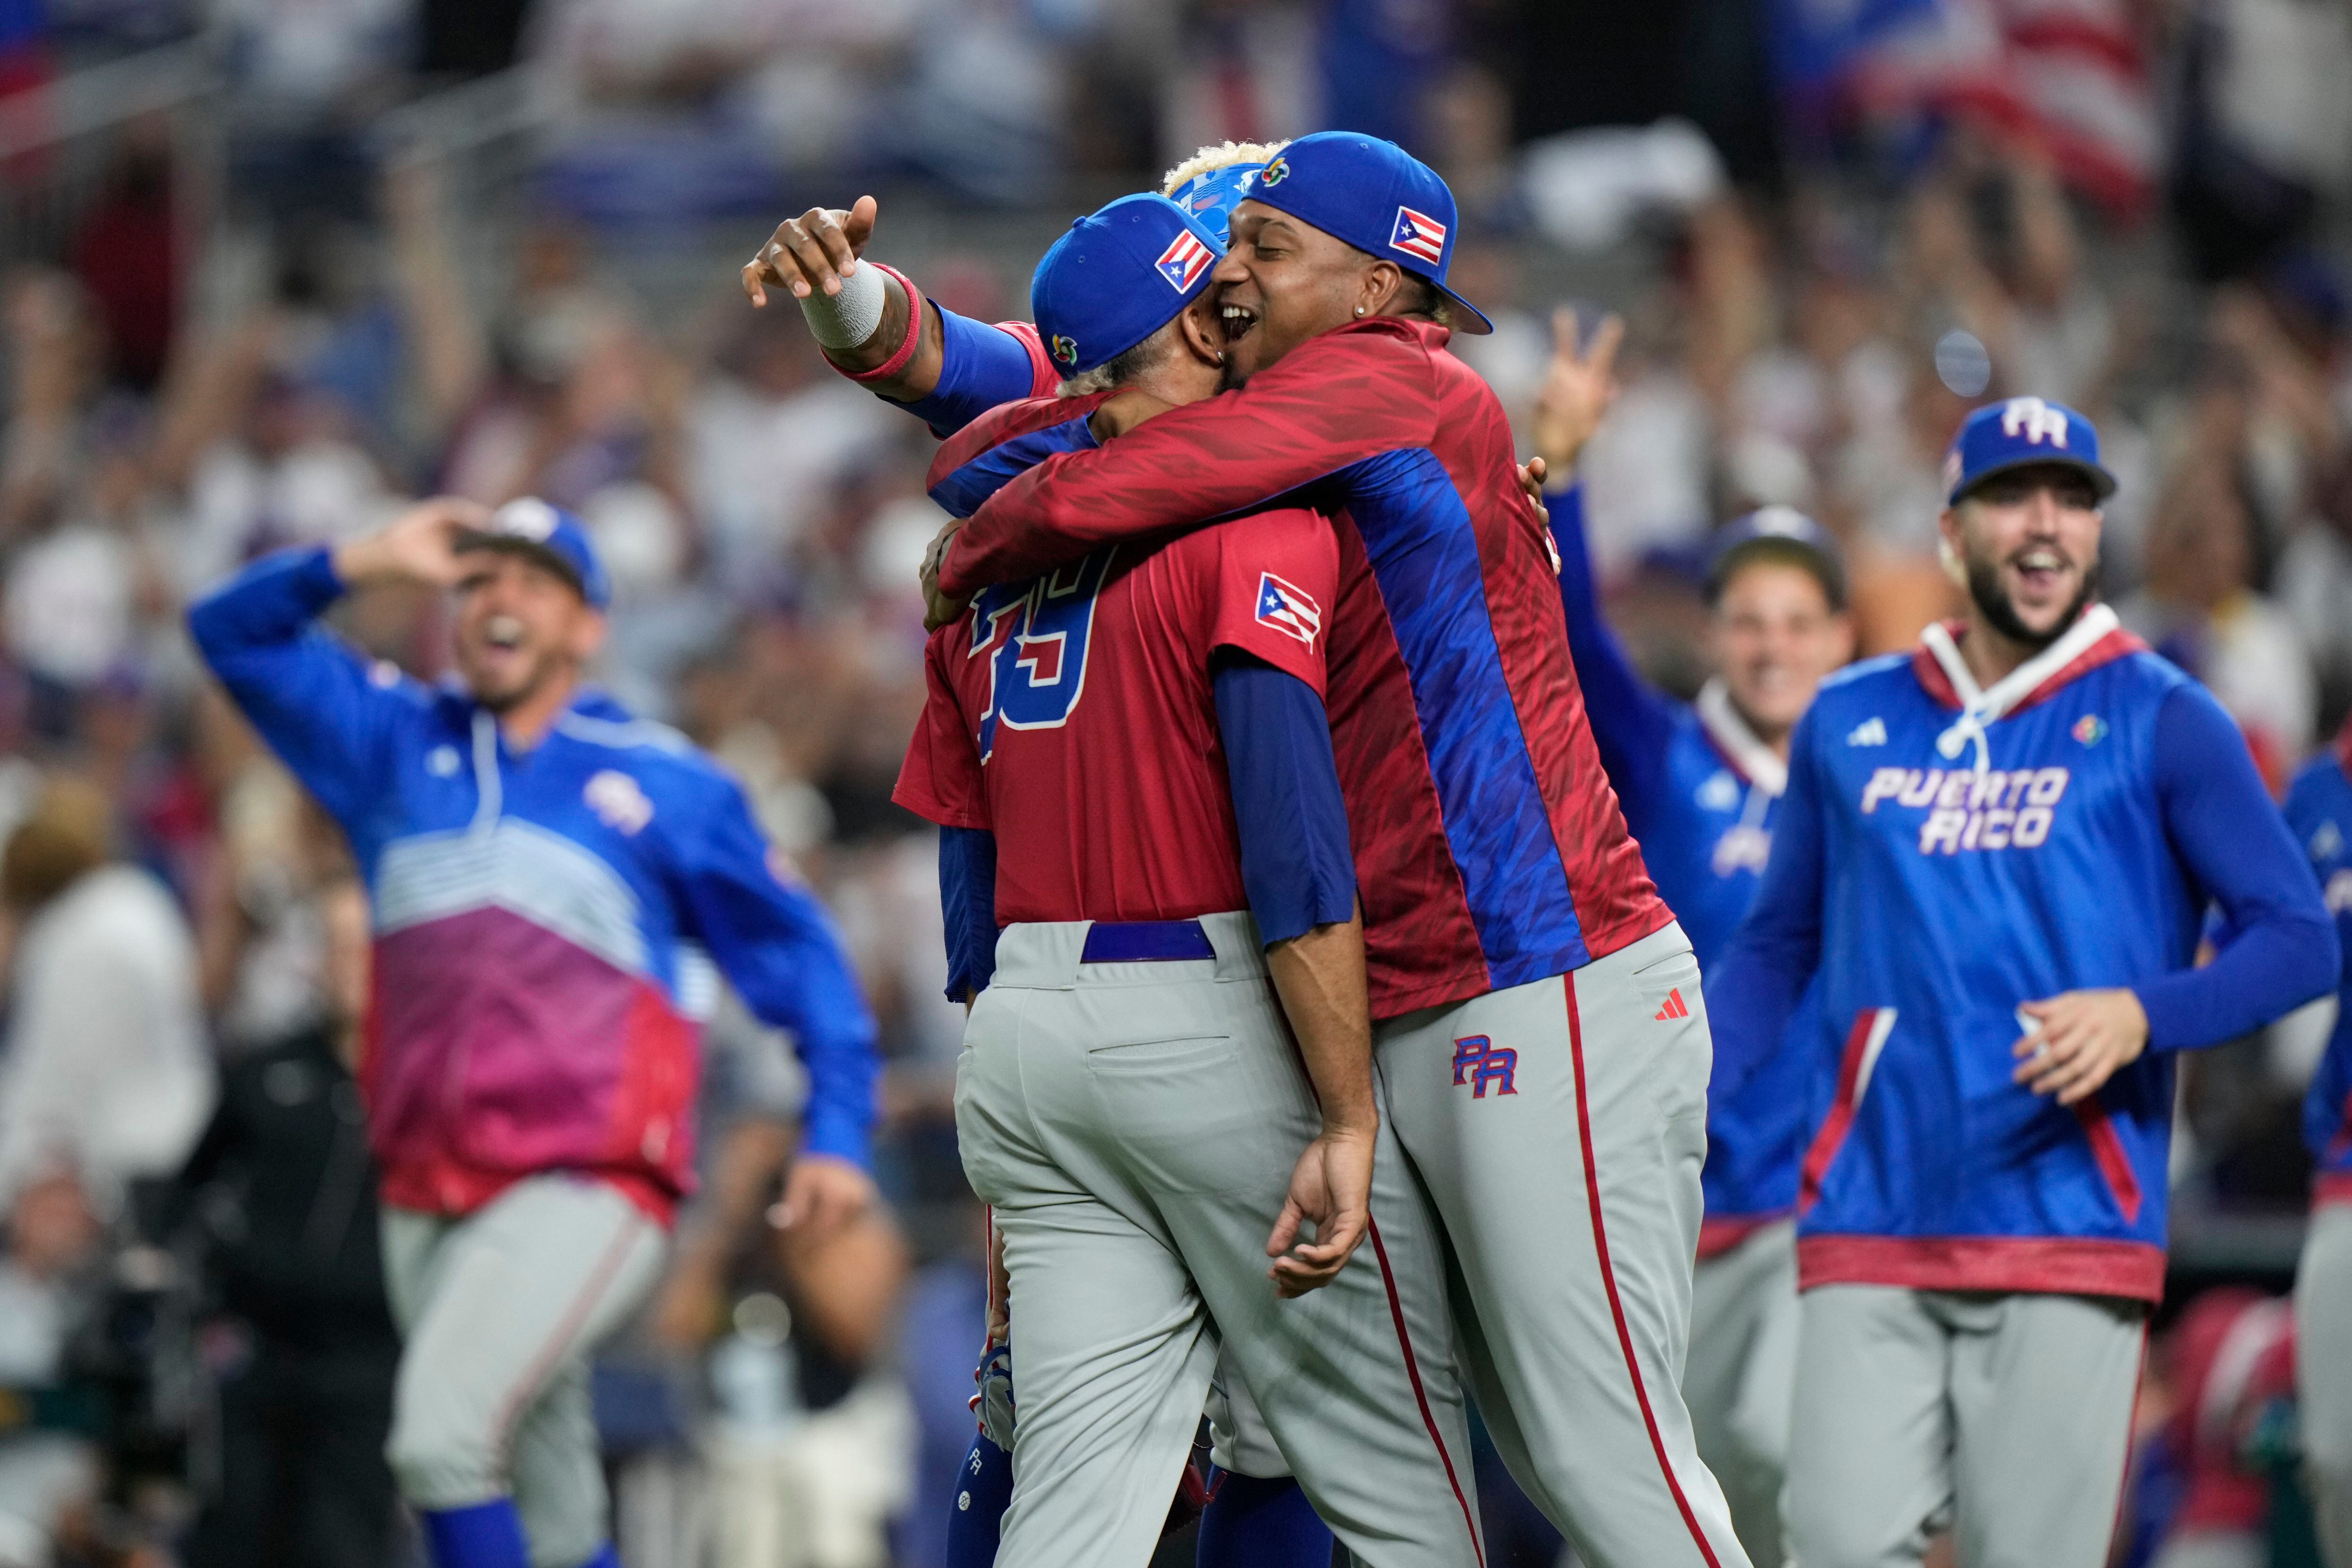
(1995, 853)
(2319, 812)
(1701, 783)
(552, 882)
(1540, 1031)
(1132, 752)
(948, 370)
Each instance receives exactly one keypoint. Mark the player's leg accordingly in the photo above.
(1258, 1515)
(1871, 1434)
(1741, 1376)
(2323, 1372)
(1356, 1381)
(499, 1311)
(2043, 1388)
(1560, 1126)
(1112, 1352)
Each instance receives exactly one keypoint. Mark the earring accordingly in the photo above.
(1359, 309)
(1221, 357)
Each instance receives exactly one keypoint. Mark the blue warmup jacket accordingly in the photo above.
(1700, 793)
(2319, 812)
(1944, 855)
(546, 923)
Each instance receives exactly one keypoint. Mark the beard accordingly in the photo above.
(1984, 587)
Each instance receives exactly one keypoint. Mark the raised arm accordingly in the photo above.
(871, 321)
(1333, 402)
(318, 704)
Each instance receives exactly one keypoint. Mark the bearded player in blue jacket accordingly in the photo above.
(2319, 811)
(1701, 785)
(1995, 853)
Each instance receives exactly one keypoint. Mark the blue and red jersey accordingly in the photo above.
(1701, 794)
(1489, 848)
(2319, 812)
(1944, 855)
(1073, 714)
(550, 925)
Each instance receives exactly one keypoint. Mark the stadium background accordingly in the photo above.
(269, 266)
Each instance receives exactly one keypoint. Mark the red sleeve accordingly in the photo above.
(940, 780)
(1347, 395)
(1277, 577)
(1047, 379)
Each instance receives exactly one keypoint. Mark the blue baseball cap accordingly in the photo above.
(1375, 195)
(1118, 276)
(1780, 531)
(1212, 196)
(551, 536)
(2018, 432)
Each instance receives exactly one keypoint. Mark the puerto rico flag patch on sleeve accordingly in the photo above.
(1185, 260)
(1419, 235)
(1287, 609)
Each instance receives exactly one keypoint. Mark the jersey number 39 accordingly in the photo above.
(1035, 638)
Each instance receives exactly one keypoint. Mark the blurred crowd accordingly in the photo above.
(1829, 240)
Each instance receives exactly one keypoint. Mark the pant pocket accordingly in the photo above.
(1195, 1114)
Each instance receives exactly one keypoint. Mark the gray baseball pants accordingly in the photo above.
(1134, 1127)
(1742, 1378)
(2006, 1416)
(1559, 1127)
(2323, 1375)
(499, 1311)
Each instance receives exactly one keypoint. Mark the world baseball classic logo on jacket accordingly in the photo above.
(1990, 849)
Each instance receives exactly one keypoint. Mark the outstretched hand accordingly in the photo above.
(812, 253)
(1330, 1189)
(1577, 391)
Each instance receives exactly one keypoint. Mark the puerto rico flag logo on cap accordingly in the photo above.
(1185, 260)
(1419, 235)
(1066, 348)
(1287, 609)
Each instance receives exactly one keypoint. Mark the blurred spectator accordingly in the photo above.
(107, 1077)
(2200, 610)
(307, 1354)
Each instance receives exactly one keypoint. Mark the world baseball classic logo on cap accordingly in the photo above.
(1066, 348)
(1273, 174)
(1185, 260)
(1287, 609)
(1419, 235)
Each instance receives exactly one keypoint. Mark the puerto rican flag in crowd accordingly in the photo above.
(1287, 609)
(1420, 236)
(1185, 260)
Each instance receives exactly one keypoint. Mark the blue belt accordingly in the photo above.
(1146, 942)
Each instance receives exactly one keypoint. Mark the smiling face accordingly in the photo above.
(1777, 637)
(2029, 539)
(521, 628)
(1283, 281)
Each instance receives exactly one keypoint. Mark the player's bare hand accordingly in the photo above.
(812, 253)
(1000, 1290)
(1577, 390)
(2085, 1038)
(939, 610)
(420, 545)
(1531, 485)
(821, 1193)
(1330, 1189)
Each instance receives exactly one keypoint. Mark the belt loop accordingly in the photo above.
(1240, 955)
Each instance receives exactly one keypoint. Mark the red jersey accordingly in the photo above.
(1073, 715)
(1489, 848)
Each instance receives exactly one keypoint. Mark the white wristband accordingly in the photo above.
(847, 319)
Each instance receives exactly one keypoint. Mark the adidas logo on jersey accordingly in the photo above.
(1675, 1007)
(1968, 810)
(1869, 732)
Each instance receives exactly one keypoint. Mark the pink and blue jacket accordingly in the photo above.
(550, 925)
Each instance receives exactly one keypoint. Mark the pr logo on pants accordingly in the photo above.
(1483, 1065)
